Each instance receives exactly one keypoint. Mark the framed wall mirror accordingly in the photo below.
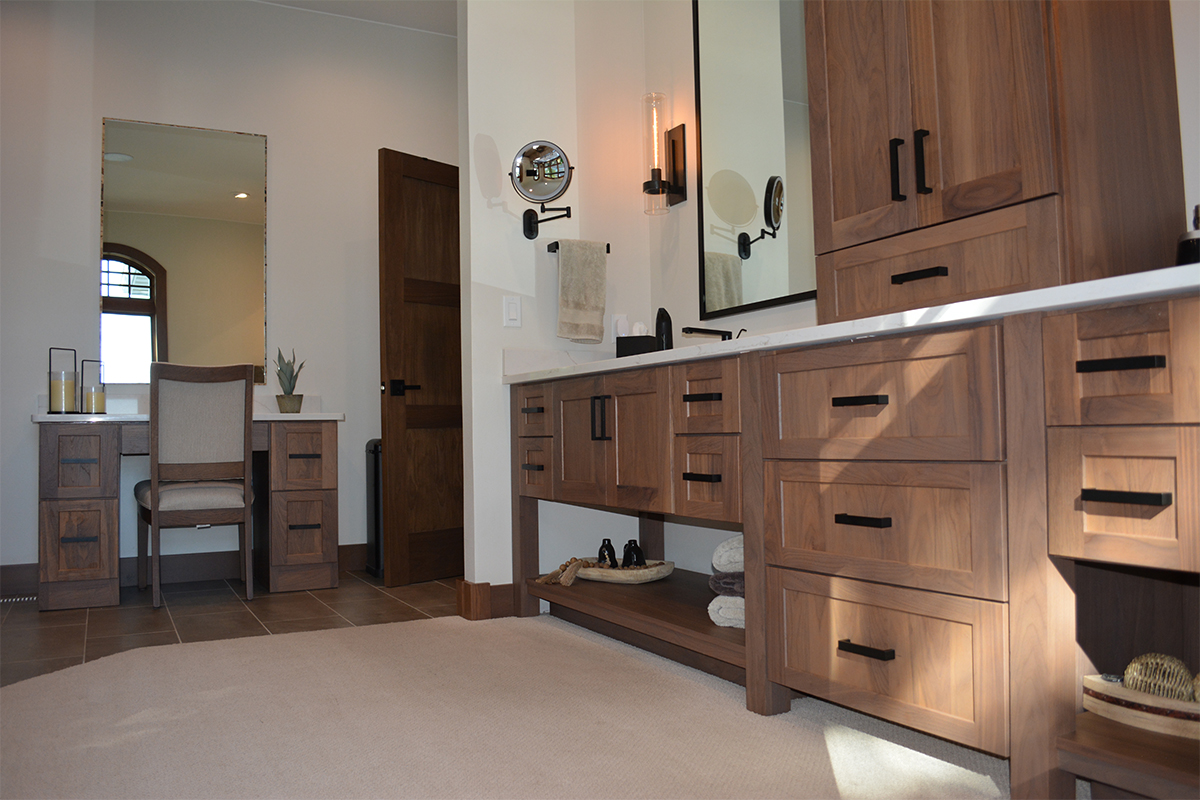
(752, 115)
(183, 263)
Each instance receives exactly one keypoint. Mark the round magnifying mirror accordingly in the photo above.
(773, 203)
(541, 172)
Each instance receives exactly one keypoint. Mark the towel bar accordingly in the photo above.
(553, 247)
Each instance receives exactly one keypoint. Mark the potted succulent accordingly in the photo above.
(287, 372)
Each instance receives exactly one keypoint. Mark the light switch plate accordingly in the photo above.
(512, 312)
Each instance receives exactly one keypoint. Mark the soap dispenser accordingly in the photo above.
(662, 330)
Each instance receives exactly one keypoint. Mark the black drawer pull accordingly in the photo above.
(703, 397)
(1121, 364)
(920, 274)
(701, 477)
(534, 410)
(861, 400)
(309, 527)
(862, 650)
(79, 461)
(862, 522)
(603, 435)
(533, 467)
(894, 154)
(304, 455)
(78, 539)
(919, 160)
(1159, 499)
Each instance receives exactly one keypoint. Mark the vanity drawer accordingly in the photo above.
(933, 397)
(1133, 365)
(933, 662)
(926, 525)
(79, 461)
(534, 467)
(708, 476)
(534, 417)
(303, 455)
(1009, 250)
(706, 397)
(1151, 516)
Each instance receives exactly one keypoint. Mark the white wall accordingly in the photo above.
(326, 91)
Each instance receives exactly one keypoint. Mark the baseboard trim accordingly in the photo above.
(478, 601)
(18, 580)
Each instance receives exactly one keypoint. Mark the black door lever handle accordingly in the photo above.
(400, 387)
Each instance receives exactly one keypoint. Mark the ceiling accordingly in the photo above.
(434, 16)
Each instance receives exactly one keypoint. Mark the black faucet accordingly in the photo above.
(725, 335)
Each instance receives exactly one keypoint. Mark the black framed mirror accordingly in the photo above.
(752, 140)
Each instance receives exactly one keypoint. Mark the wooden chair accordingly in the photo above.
(200, 459)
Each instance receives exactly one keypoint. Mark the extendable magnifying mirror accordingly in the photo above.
(541, 172)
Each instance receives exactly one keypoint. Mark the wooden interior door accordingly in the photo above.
(981, 94)
(420, 369)
(860, 104)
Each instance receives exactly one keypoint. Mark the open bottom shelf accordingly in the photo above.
(674, 610)
(1149, 763)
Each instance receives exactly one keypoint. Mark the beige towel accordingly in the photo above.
(582, 285)
(722, 281)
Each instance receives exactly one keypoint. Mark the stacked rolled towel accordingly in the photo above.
(729, 583)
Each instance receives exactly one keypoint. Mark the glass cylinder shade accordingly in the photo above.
(654, 124)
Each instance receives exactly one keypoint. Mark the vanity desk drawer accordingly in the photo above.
(534, 417)
(535, 467)
(706, 397)
(79, 460)
(1127, 495)
(935, 526)
(1131, 365)
(1009, 250)
(932, 397)
(708, 474)
(930, 661)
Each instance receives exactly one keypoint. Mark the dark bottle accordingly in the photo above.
(662, 330)
(1188, 251)
(607, 554)
(633, 555)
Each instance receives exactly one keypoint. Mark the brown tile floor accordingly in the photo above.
(35, 642)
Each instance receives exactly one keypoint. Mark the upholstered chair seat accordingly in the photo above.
(193, 495)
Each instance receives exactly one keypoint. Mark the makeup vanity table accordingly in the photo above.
(295, 503)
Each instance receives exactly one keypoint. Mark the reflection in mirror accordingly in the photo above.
(752, 106)
(188, 204)
(541, 172)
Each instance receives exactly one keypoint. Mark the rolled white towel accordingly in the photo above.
(728, 612)
(728, 555)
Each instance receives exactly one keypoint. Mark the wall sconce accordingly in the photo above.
(665, 157)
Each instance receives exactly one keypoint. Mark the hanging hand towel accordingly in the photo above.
(582, 285)
(722, 281)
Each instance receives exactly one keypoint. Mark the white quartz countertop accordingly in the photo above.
(1138, 286)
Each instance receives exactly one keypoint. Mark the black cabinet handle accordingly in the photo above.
(919, 158)
(79, 461)
(704, 397)
(313, 526)
(78, 539)
(862, 522)
(603, 436)
(862, 650)
(304, 455)
(894, 147)
(921, 274)
(533, 467)
(1121, 364)
(534, 410)
(1158, 499)
(701, 477)
(861, 400)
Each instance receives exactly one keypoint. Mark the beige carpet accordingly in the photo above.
(511, 708)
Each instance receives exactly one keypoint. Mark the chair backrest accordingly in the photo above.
(200, 416)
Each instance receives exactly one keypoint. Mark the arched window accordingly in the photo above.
(133, 313)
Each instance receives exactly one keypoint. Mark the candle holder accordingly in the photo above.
(62, 383)
(92, 392)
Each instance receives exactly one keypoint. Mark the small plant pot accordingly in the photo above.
(289, 403)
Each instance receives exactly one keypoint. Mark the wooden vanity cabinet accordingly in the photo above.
(79, 481)
(925, 112)
(533, 427)
(611, 446)
(706, 414)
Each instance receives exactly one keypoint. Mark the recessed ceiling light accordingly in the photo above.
(241, 195)
(117, 157)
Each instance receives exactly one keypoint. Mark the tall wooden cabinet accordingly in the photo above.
(924, 112)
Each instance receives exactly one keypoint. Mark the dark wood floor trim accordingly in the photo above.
(476, 601)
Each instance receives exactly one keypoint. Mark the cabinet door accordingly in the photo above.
(79, 460)
(981, 92)
(534, 472)
(708, 474)
(582, 432)
(303, 528)
(706, 397)
(639, 470)
(78, 540)
(534, 417)
(859, 105)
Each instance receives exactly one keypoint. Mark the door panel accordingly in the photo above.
(580, 471)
